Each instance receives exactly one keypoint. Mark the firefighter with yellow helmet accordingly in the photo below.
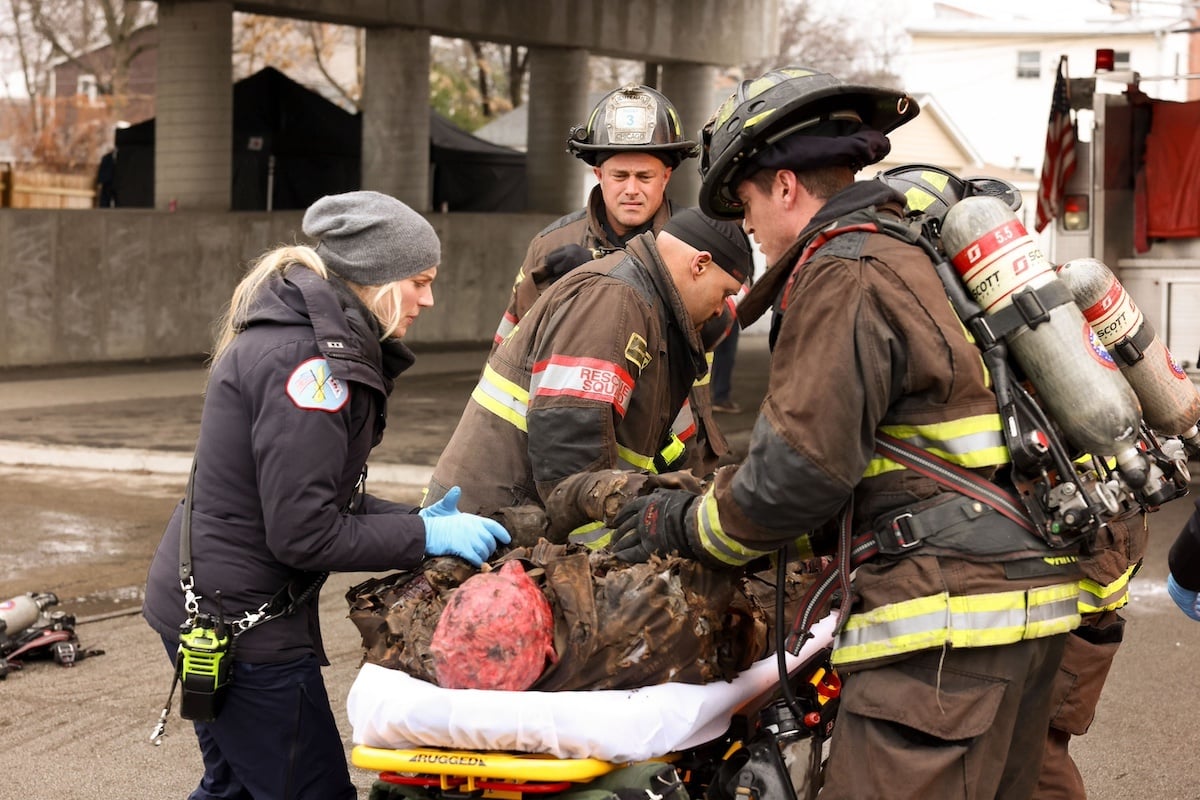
(956, 617)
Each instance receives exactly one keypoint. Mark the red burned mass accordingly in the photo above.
(496, 633)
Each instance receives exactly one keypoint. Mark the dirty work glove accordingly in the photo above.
(470, 537)
(654, 524)
(680, 479)
(1187, 600)
(566, 258)
(446, 506)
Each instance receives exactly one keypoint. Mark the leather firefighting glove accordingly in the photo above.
(680, 479)
(656, 524)
(566, 258)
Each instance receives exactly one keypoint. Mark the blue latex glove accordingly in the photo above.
(445, 507)
(1187, 600)
(470, 537)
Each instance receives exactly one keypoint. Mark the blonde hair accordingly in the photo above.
(374, 296)
(280, 260)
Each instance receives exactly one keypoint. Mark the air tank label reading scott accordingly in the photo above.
(999, 263)
(1114, 316)
(1099, 351)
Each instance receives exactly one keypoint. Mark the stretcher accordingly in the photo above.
(497, 742)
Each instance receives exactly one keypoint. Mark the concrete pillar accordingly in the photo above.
(193, 151)
(395, 103)
(558, 85)
(691, 88)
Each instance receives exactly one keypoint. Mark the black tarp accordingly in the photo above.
(471, 174)
(316, 149)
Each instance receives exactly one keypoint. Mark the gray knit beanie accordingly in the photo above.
(370, 238)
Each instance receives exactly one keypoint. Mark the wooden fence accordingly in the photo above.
(28, 188)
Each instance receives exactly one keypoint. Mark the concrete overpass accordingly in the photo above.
(117, 284)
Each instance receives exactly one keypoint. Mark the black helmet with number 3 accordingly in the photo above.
(786, 101)
(632, 118)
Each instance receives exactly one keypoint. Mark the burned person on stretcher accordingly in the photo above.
(556, 615)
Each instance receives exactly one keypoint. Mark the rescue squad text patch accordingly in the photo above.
(313, 386)
(587, 378)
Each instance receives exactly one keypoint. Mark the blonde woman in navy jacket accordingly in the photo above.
(296, 399)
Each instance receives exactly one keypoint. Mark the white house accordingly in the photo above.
(993, 70)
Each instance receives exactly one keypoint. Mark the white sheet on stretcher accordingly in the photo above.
(391, 709)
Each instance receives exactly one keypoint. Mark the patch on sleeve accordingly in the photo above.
(637, 351)
(313, 386)
(586, 378)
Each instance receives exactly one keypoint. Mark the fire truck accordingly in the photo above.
(1107, 202)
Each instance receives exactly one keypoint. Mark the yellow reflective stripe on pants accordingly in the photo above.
(720, 546)
(971, 442)
(982, 620)
(1094, 597)
(502, 397)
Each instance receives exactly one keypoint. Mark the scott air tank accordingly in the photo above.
(1170, 402)
(21, 612)
(1075, 378)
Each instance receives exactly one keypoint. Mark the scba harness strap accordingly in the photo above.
(910, 530)
(1033, 442)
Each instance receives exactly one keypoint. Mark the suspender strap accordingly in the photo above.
(855, 551)
(954, 477)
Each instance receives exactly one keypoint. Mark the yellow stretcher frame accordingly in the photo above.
(480, 764)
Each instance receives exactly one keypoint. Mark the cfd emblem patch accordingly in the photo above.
(312, 386)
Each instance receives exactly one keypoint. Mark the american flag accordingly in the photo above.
(1059, 162)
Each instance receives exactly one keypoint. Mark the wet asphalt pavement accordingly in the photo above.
(81, 527)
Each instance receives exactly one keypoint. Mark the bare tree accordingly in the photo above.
(30, 54)
(311, 53)
(518, 65)
(100, 38)
(474, 82)
(95, 35)
(609, 73)
(810, 36)
(262, 41)
(326, 41)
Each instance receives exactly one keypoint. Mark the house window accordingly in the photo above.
(86, 85)
(1029, 64)
(1121, 60)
